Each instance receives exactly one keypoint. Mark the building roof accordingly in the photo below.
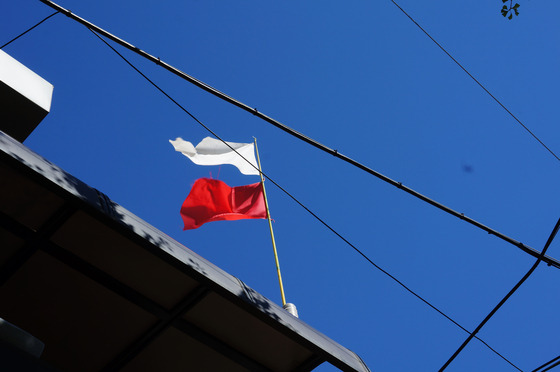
(104, 290)
(25, 98)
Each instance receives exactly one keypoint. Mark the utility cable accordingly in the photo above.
(473, 334)
(23, 33)
(300, 203)
(540, 369)
(551, 366)
(298, 135)
(548, 365)
(476, 80)
(533, 252)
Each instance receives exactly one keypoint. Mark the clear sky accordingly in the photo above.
(361, 78)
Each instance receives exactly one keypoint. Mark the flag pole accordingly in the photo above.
(271, 231)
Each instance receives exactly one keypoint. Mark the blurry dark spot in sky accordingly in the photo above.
(467, 168)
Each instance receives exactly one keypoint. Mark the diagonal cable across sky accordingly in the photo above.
(533, 252)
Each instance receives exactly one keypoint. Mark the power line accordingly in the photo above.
(550, 367)
(503, 301)
(547, 364)
(301, 204)
(476, 80)
(541, 256)
(550, 261)
(23, 33)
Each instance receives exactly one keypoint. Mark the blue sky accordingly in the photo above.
(361, 78)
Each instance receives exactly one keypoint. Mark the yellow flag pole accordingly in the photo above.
(270, 225)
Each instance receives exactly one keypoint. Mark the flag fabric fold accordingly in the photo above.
(211, 151)
(213, 200)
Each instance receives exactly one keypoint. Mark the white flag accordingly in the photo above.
(211, 151)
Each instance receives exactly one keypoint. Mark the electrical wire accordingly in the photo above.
(300, 203)
(332, 152)
(23, 33)
(540, 369)
(533, 252)
(503, 301)
(552, 366)
(476, 80)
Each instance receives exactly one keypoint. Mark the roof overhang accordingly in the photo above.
(104, 290)
(25, 98)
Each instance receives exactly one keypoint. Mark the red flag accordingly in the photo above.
(213, 200)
